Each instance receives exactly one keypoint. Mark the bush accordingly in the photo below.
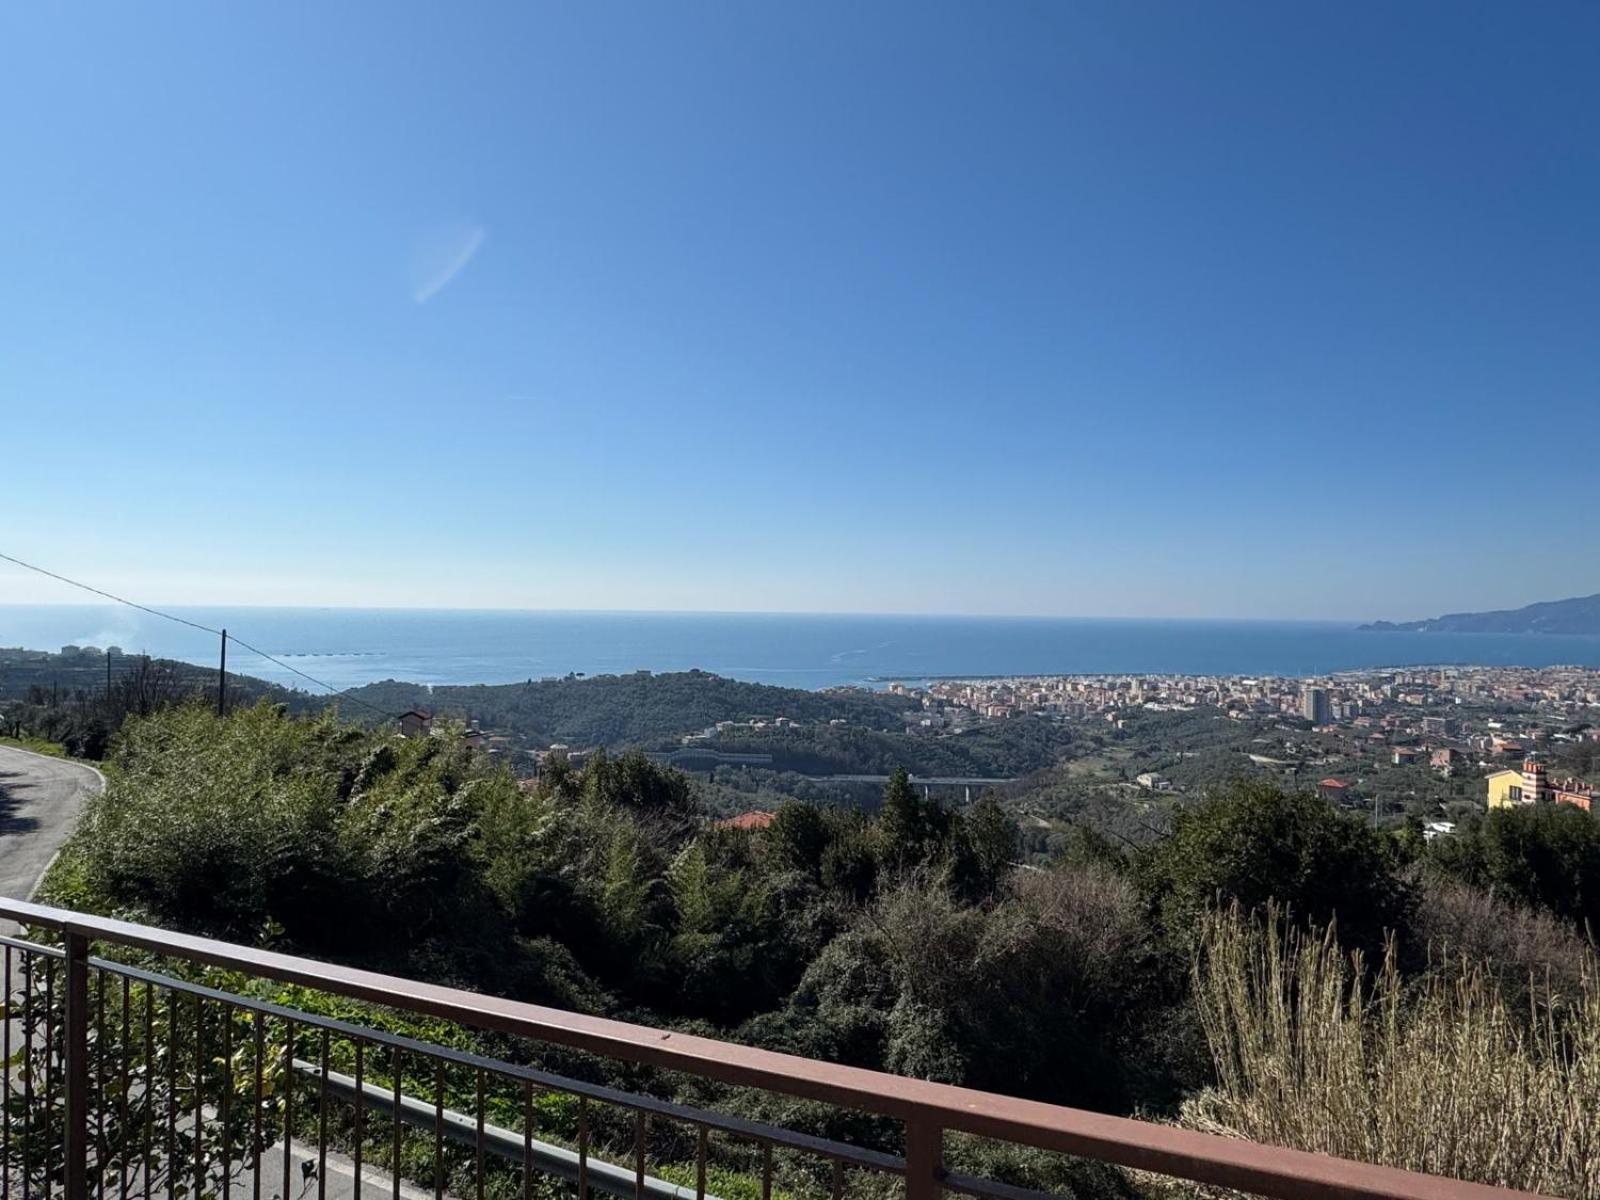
(218, 826)
(1256, 844)
(1547, 855)
(1516, 943)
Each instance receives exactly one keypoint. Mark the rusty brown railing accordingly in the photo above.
(123, 1082)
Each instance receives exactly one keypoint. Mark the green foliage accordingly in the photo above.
(912, 830)
(1544, 855)
(1255, 843)
(798, 838)
(1038, 994)
(1000, 749)
(220, 825)
(906, 941)
(633, 781)
(38, 745)
(634, 709)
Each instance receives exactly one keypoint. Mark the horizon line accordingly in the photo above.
(689, 612)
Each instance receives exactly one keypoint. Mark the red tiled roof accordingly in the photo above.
(755, 819)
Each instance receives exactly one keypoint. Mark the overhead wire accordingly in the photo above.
(334, 692)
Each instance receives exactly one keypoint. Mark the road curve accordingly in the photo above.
(40, 798)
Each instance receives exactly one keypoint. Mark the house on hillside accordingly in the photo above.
(416, 722)
(1504, 788)
(1335, 791)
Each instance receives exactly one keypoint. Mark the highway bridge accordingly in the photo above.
(919, 780)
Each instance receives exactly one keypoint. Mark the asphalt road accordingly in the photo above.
(40, 798)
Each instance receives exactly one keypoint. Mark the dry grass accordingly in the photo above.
(1435, 1075)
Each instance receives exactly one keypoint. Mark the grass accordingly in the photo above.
(1436, 1074)
(37, 744)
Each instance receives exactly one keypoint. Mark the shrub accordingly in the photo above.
(1315, 1053)
(1257, 844)
(1546, 855)
(206, 823)
(1513, 941)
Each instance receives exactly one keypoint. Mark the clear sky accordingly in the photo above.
(1061, 308)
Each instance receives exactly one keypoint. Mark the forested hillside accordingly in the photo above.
(998, 749)
(621, 710)
(78, 697)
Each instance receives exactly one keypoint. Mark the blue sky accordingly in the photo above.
(1087, 309)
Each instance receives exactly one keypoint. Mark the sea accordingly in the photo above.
(345, 647)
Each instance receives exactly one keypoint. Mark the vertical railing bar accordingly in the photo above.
(766, 1171)
(702, 1145)
(49, 1056)
(122, 1096)
(27, 1074)
(172, 1092)
(360, 1129)
(5, 1109)
(838, 1180)
(288, 1106)
(398, 1065)
(149, 1085)
(478, 1151)
(438, 1131)
(258, 1150)
(101, 1084)
(75, 1065)
(924, 1160)
(322, 1124)
(527, 1139)
(583, 1148)
(199, 1092)
(638, 1154)
(224, 1106)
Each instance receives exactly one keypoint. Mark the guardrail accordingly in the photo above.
(144, 1083)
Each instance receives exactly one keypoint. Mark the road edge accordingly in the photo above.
(76, 762)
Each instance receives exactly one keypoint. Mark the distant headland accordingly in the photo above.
(1580, 615)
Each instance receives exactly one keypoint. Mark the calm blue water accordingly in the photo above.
(345, 647)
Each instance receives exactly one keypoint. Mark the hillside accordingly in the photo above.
(59, 676)
(1580, 615)
(627, 710)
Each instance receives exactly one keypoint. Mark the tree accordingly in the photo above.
(633, 781)
(983, 848)
(911, 830)
(1544, 855)
(1254, 843)
(798, 838)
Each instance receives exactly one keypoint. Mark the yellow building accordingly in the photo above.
(1505, 789)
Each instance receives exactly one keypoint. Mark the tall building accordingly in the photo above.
(1314, 706)
(1536, 787)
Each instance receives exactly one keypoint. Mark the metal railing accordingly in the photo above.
(126, 1082)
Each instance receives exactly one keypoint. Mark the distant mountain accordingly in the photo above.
(1579, 615)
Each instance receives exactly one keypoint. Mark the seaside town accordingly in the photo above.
(1507, 730)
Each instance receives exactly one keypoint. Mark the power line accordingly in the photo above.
(166, 616)
(98, 592)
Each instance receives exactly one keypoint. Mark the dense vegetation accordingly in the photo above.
(906, 941)
(78, 698)
(999, 749)
(630, 710)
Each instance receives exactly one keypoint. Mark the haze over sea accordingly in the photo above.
(346, 647)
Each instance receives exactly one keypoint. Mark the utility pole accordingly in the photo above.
(222, 677)
(108, 674)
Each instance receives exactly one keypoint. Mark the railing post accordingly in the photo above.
(924, 1160)
(75, 1039)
